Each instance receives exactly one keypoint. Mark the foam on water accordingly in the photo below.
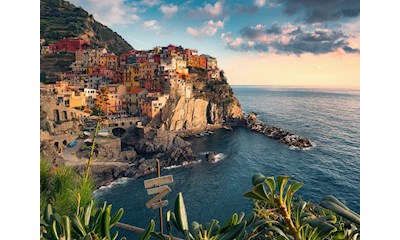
(182, 165)
(119, 181)
(219, 157)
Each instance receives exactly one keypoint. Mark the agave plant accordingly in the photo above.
(233, 228)
(86, 223)
(294, 221)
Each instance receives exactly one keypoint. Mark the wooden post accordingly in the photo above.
(160, 209)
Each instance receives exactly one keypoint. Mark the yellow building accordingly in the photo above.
(181, 66)
(77, 100)
(131, 76)
(109, 61)
(72, 99)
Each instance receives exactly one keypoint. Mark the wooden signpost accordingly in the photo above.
(158, 186)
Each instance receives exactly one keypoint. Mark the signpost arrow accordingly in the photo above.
(158, 197)
(158, 186)
(153, 182)
(156, 190)
(161, 204)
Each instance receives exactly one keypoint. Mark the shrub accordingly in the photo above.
(60, 185)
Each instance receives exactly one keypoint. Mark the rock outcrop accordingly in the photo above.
(211, 157)
(211, 104)
(290, 139)
(164, 145)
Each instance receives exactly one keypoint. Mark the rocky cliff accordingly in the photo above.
(212, 104)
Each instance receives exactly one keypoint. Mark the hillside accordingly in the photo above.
(59, 19)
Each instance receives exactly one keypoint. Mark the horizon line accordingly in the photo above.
(298, 86)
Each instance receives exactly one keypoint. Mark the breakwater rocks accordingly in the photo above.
(290, 139)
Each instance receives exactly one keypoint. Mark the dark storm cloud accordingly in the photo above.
(289, 41)
(259, 30)
(322, 10)
(246, 9)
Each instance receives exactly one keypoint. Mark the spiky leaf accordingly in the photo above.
(180, 213)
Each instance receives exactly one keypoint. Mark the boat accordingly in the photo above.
(228, 127)
(72, 144)
(103, 133)
(86, 133)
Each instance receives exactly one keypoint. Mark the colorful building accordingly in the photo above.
(134, 97)
(130, 76)
(109, 61)
(70, 45)
(153, 103)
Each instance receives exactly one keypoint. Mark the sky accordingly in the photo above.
(308, 43)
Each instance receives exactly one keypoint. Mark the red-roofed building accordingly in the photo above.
(70, 45)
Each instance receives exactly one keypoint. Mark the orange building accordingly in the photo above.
(152, 105)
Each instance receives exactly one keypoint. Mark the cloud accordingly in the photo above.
(208, 10)
(259, 3)
(288, 39)
(150, 3)
(317, 11)
(209, 28)
(151, 25)
(112, 12)
(169, 10)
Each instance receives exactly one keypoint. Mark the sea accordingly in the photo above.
(330, 118)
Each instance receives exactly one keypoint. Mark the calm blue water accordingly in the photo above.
(329, 118)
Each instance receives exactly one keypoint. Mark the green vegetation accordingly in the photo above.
(59, 19)
(273, 200)
(68, 210)
(233, 228)
(60, 185)
(86, 223)
(53, 63)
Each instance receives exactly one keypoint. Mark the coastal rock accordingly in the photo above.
(103, 173)
(211, 157)
(158, 140)
(290, 139)
(128, 156)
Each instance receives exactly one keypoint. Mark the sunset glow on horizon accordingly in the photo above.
(328, 70)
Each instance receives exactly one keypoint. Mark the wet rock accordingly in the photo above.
(128, 156)
(290, 139)
(211, 157)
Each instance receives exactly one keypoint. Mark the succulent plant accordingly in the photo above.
(233, 228)
(285, 220)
